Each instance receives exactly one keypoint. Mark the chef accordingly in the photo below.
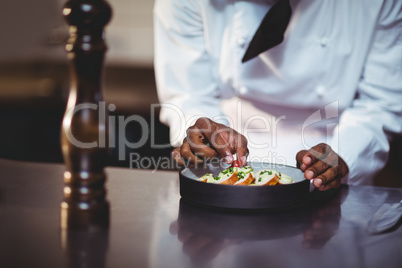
(317, 84)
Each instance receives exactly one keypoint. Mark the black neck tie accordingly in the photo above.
(271, 30)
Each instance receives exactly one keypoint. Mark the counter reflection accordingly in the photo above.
(252, 237)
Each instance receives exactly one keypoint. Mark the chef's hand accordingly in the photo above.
(207, 140)
(322, 165)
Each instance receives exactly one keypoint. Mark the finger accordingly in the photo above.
(224, 140)
(222, 145)
(177, 156)
(307, 158)
(319, 152)
(199, 145)
(242, 150)
(187, 154)
(327, 180)
(316, 169)
(336, 183)
(299, 160)
(213, 131)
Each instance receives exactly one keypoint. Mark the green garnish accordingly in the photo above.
(266, 171)
(216, 178)
(226, 171)
(240, 175)
(259, 180)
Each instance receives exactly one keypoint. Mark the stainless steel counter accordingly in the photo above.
(151, 227)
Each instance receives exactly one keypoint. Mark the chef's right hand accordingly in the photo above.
(207, 140)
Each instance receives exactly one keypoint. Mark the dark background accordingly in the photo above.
(33, 101)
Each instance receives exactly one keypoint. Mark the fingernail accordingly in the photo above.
(243, 160)
(175, 155)
(307, 160)
(229, 159)
(309, 174)
(318, 183)
(303, 167)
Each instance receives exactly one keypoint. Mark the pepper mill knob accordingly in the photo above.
(87, 14)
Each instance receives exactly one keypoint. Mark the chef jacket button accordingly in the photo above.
(241, 41)
(320, 90)
(243, 90)
(324, 41)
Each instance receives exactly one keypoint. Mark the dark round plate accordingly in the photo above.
(243, 197)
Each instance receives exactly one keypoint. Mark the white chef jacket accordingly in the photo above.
(336, 77)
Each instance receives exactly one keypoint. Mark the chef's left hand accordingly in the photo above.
(322, 165)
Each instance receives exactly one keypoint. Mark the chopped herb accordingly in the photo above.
(280, 175)
(226, 171)
(269, 172)
(240, 175)
(216, 178)
(259, 180)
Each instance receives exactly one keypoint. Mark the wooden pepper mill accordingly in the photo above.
(84, 130)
